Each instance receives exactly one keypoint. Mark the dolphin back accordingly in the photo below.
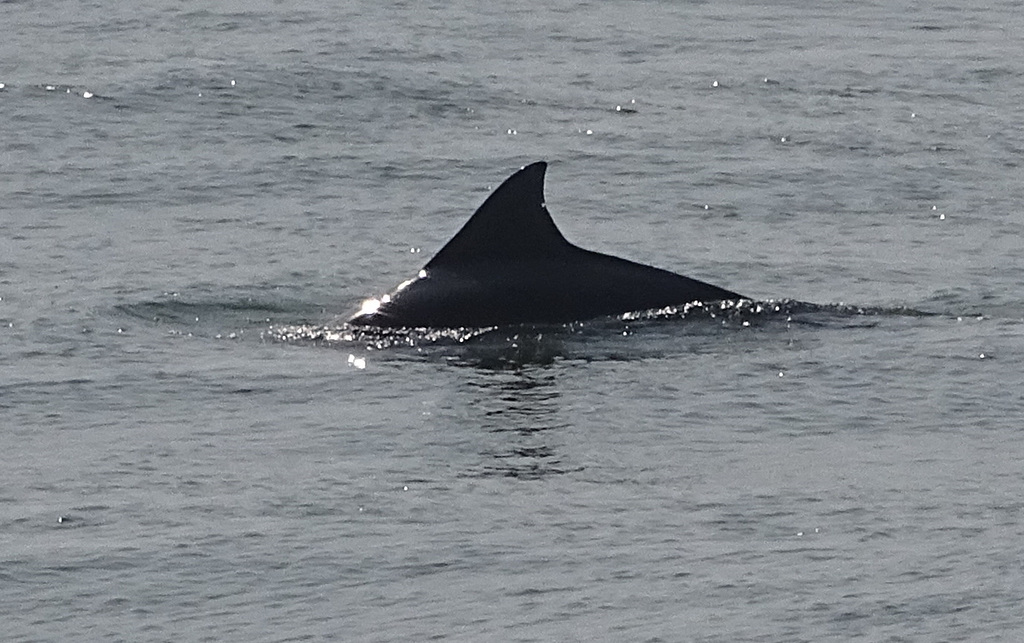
(509, 264)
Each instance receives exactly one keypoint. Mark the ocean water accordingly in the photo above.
(193, 446)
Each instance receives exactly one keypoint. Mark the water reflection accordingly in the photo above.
(521, 420)
(511, 405)
(497, 351)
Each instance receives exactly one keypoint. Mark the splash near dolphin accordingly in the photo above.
(509, 264)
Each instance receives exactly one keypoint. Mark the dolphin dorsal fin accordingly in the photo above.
(511, 224)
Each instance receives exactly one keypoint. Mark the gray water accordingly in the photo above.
(192, 447)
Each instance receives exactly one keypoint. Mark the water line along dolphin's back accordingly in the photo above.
(509, 264)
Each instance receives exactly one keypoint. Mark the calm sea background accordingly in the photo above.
(192, 195)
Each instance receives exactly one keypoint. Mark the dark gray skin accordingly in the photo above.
(510, 265)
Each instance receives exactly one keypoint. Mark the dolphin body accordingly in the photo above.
(509, 264)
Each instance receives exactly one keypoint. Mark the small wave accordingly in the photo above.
(378, 338)
(692, 327)
(725, 314)
(234, 314)
(180, 312)
(748, 310)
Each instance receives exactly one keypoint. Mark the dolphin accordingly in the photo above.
(509, 264)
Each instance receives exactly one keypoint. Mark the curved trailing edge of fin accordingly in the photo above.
(512, 223)
(509, 264)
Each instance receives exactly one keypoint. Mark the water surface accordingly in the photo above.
(194, 197)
